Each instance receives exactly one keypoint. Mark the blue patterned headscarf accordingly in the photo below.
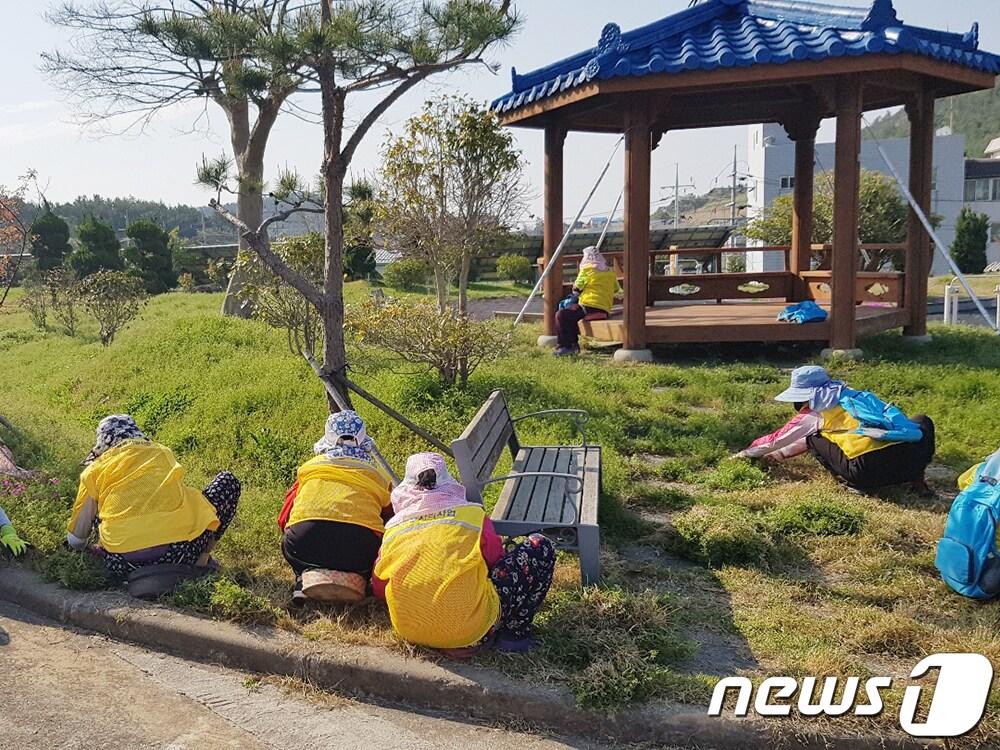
(345, 437)
(112, 431)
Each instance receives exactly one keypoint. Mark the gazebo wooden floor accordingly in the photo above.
(732, 321)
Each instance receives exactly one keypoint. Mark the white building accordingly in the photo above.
(771, 157)
(982, 193)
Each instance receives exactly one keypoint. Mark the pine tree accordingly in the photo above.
(99, 248)
(150, 257)
(972, 234)
(50, 240)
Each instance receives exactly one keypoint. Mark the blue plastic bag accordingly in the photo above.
(803, 312)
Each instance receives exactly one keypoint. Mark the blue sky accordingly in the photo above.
(37, 129)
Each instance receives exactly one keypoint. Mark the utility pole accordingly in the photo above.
(732, 207)
(677, 193)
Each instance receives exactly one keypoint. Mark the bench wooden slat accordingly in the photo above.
(591, 485)
(485, 418)
(536, 507)
(524, 489)
(555, 503)
(486, 459)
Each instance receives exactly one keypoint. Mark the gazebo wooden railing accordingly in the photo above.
(875, 287)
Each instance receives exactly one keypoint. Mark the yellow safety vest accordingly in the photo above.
(840, 427)
(438, 587)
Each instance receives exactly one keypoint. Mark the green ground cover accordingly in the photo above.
(711, 568)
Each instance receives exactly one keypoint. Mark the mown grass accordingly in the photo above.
(984, 285)
(712, 566)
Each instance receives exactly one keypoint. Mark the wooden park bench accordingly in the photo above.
(551, 489)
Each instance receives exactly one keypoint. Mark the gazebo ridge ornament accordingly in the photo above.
(738, 62)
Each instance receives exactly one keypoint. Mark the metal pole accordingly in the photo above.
(677, 195)
(930, 229)
(565, 239)
(998, 306)
(955, 306)
(604, 232)
(946, 318)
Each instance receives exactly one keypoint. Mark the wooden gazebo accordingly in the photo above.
(732, 62)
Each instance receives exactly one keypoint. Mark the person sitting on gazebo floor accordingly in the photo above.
(827, 425)
(443, 571)
(333, 517)
(133, 491)
(594, 293)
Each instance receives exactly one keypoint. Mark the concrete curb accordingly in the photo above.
(375, 673)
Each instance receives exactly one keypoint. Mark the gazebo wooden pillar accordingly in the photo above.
(921, 113)
(846, 179)
(638, 147)
(801, 129)
(555, 138)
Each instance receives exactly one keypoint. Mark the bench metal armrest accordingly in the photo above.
(580, 418)
(554, 475)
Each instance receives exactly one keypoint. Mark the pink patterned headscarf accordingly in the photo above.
(592, 258)
(410, 500)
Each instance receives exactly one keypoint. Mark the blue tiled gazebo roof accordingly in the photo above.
(741, 33)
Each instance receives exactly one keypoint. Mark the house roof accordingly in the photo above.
(981, 168)
(743, 33)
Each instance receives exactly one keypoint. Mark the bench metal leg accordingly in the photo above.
(589, 541)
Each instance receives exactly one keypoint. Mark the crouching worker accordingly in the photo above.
(859, 439)
(133, 491)
(334, 513)
(443, 571)
(967, 555)
(594, 293)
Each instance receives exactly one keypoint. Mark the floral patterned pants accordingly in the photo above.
(223, 493)
(522, 578)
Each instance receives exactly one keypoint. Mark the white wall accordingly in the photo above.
(771, 156)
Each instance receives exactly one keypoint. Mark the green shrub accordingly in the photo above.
(515, 267)
(222, 596)
(972, 236)
(722, 535)
(186, 282)
(738, 474)
(35, 301)
(151, 410)
(99, 248)
(407, 275)
(417, 333)
(74, 570)
(819, 517)
(63, 288)
(114, 299)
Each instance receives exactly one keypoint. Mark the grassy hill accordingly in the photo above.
(975, 115)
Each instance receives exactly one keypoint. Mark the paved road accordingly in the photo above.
(62, 689)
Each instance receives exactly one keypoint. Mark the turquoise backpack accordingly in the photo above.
(878, 419)
(968, 547)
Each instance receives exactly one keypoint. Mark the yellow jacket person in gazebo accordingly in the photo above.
(594, 293)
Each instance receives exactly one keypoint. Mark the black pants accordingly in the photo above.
(567, 324)
(332, 545)
(897, 464)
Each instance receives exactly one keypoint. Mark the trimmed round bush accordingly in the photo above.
(514, 267)
(407, 275)
(722, 535)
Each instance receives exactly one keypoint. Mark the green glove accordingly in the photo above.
(10, 540)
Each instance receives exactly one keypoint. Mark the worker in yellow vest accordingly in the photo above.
(594, 293)
(443, 571)
(333, 517)
(856, 456)
(133, 492)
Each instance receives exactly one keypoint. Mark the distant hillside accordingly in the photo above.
(709, 208)
(975, 115)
